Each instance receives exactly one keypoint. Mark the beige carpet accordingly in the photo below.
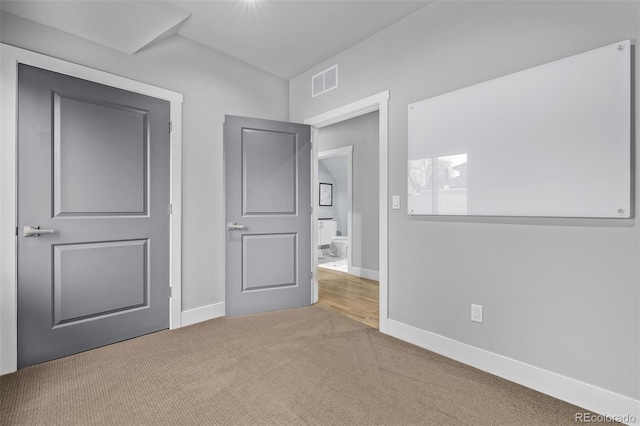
(301, 366)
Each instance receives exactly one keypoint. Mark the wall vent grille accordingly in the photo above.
(324, 81)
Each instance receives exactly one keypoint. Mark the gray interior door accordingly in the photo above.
(93, 169)
(268, 214)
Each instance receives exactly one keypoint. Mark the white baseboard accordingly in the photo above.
(582, 394)
(204, 313)
(365, 273)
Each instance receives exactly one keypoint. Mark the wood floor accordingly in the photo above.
(351, 296)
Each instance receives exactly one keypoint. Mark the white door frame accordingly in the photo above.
(339, 152)
(380, 103)
(10, 57)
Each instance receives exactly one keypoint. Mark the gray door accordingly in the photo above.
(93, 168)
(268, 214)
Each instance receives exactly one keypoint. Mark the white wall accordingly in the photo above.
(362, 133)
(213, 85)
(558, 294)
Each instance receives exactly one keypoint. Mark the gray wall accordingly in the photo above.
(324, 176)
(361, 132)
(336, 167)
(213, 85)
(559, 294)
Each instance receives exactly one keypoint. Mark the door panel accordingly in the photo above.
(78, 293)
(269, 165)
(268, 193)
(93, 166)
(268, 261)
(99, 168)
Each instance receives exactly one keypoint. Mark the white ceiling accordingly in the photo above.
(282, 37)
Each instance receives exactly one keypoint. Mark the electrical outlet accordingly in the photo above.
(476, 313)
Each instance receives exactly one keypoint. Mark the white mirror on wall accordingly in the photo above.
(550, 141)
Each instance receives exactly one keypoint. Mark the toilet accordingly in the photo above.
(339, 246)
(327, 229)
(328, 238)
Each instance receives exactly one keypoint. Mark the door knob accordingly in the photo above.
(232, 225)
(34, 231)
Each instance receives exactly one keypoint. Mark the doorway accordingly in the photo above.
(380, 103)
(335, 220)
(341, 287)
(352, 289)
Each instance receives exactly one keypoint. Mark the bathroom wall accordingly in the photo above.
(337, 168)
(325, 212)
(361, 133)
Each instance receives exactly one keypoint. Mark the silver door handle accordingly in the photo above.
(34, 231)
(232, 225)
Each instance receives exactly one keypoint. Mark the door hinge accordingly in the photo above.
(170, 126)
(170, 209)
(311, 274)
(16, 231)
(169, 291)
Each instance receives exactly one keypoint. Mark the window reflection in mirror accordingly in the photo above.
(438, 185)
